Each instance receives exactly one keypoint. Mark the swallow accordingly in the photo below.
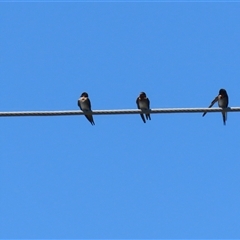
(222, 99)
(143, 103)
(85, 105)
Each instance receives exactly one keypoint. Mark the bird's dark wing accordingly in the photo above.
(148, 103)
(137, 103)
(143, 118)
(224, 115)
(212, 103)
(148, 114)
(89, 103)
(79, 104)
(90, 119)
(226, 100)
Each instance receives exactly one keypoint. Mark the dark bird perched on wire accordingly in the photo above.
(143, 103)
(222, 99)
(85, 105)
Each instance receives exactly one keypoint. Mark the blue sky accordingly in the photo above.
(177, 176)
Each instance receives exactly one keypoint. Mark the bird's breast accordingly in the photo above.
(84, 105)
(143, 105)
(222, 102)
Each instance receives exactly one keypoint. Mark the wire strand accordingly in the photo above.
(112, 112)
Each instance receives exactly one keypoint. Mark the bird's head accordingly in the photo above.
(84, 94)
(142, 95)
(222, 92)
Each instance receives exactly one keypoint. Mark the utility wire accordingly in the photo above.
(112, 112)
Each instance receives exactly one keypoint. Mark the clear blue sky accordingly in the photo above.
(177, 176)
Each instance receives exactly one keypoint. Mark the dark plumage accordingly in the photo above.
(143, 103)
(85, 105)
(222, 99)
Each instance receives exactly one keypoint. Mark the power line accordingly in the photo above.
(112, 112)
